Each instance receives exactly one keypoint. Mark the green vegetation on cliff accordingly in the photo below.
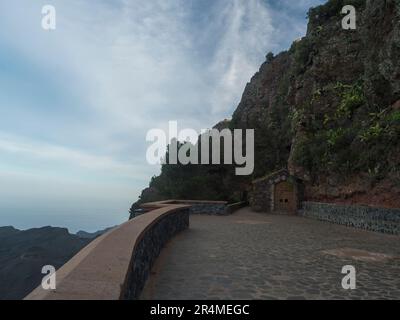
(328, 110)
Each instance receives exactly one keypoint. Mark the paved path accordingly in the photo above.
(257, 256)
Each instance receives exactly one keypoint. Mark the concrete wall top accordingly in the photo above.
(99, 271)
(165, 203)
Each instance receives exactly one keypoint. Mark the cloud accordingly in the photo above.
(247, 37)
(81, 98)
(68, 157)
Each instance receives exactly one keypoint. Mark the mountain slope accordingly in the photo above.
(328, 109)
(24, 253)
(92, 235)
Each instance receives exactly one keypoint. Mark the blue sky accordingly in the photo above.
(76, 103)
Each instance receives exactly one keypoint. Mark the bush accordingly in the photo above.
(269, 57)
(332, 8)
(331, 144)
(383, 127)
(303, 51)
(374, 132)
(352, 98)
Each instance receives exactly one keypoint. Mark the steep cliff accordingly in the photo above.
(328, 109)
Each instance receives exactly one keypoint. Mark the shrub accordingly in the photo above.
(332, 8)
(270, 57)
(352, 97)
(372, 133)
(303, 51)
(334, 137)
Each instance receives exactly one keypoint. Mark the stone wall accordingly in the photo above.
(149, 248)
(119, 261)
(363, 217)
(261, 195)
(218, 208)
(263, 191)
(231, 208)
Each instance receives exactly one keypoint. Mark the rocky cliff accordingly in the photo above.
(328, 109)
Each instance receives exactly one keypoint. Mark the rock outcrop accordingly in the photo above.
(327, 109)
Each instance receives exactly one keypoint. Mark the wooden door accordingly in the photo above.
(284, 198)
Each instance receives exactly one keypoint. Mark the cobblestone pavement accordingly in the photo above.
(257, 256)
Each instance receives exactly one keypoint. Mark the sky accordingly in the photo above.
(77, 102)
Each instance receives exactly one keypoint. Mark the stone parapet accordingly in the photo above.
(363, 217)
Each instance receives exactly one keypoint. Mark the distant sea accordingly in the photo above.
(72, 220)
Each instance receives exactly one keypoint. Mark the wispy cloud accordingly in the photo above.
(82, 98)
(248, 34)
(68, 157)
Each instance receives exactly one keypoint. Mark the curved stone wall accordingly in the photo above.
(117, 264)
(148, 249)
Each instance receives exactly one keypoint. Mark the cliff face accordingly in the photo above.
(328, 109)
